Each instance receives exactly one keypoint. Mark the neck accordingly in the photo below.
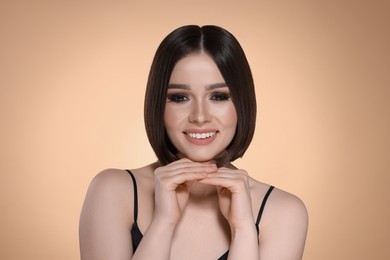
(199, 190)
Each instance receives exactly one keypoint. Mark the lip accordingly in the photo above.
(201, 141)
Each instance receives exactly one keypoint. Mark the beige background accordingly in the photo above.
(73, 75)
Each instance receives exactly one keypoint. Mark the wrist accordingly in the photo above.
(164, 222)
(244, 240)
(247, 231)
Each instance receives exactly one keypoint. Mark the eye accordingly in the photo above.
(177, 98)
(220, 97)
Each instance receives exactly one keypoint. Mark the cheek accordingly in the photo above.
(228, 115)
(171, 117)
(233, 116)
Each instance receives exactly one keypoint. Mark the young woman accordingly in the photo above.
(200, 112)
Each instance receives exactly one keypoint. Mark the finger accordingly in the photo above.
(184, 163)
(208, 169)
(190, 164)
(173, 181)
(232, 171)
(186, 168)
(188, 161)
(234, 184)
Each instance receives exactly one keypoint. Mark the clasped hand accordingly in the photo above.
(173, 184)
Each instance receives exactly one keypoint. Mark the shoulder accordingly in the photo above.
(109, 191)
(110, 178)
(283, 200)
(114, 188)
(119, 180)
(110, 183)
(107, 215)
(284, 224)
(287, 207)
(279, 203)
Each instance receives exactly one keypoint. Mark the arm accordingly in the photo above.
(106, 217)
(236, 206)
(284, 227)
(171, 195)
(107, 214)
(244, 243)
(106, 220)
(156, 243)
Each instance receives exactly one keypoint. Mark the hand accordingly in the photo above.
(234, 196)
(172, 186)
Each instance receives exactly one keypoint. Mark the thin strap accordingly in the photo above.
(135, 196)
(263, 205)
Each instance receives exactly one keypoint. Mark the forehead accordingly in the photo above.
(196, 67)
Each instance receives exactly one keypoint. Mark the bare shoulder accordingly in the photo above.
(109, 193)
(284, 225)
(282, 202)
(112, 191)
(119, 180)
(110, 179)
(107, 215)
(279, 202)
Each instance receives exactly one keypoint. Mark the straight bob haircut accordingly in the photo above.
(229, 57)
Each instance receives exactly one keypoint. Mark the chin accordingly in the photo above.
(198, 157)
(202, 157)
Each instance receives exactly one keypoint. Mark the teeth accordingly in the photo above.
(201, 135)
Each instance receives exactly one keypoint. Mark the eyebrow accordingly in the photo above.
(187, 87)
(179, 86)
(216, 85)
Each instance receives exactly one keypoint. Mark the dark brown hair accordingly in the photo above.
(228, 55)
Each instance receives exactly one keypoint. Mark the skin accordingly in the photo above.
(199, 102)
(191, 204)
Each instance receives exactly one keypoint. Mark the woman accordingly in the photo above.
(192, 203)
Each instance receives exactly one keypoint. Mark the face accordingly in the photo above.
(200, 118)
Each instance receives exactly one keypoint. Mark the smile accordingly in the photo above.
(201, 135)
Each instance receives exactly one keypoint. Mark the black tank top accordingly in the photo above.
(136, 235)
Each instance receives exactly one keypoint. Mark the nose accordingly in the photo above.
(200, 113)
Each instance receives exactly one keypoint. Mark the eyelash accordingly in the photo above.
(220, 97)
(178, 98)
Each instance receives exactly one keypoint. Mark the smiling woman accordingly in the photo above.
(200, 112)
(200, 118)
(230, 60)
